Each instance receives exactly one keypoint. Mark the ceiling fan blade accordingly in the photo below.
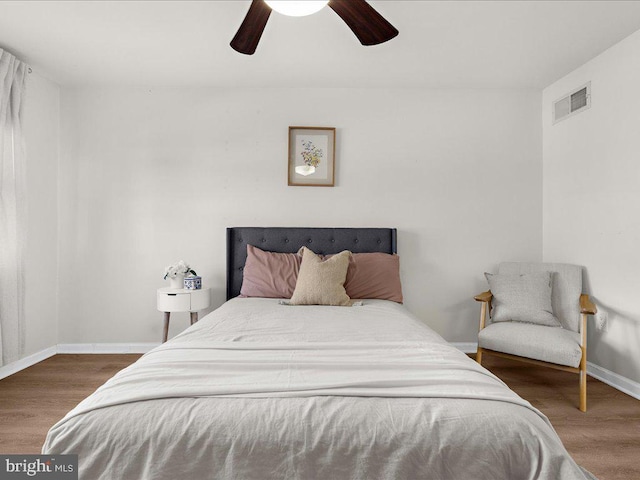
(248, 35)
(369, 26)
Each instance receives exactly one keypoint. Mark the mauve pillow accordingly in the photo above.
(269, 274)
(374, 275)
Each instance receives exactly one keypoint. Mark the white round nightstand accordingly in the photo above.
(181, 300)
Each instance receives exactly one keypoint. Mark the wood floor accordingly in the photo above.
(605, 440)
(32, 400)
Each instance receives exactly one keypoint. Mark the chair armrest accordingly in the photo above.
(587, 306)
(484, 296)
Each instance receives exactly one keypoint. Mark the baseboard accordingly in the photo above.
(15, 367)
(624, 384)
(104, 348)
(84, 348)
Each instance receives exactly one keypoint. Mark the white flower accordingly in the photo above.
(180, 268)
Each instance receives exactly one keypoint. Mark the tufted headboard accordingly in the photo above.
(290, 239)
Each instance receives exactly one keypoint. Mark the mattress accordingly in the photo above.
(261, 390)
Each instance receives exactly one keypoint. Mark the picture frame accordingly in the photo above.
(312, 160)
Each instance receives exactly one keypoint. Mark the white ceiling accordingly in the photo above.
(491, 44)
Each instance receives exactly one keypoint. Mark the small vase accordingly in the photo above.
(177, 281)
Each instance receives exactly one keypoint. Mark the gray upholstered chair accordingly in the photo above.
(562, 348)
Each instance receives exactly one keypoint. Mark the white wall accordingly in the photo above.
(42, 133)
(151, 176)
(592, 197)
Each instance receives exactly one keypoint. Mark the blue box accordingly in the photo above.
(192, 283)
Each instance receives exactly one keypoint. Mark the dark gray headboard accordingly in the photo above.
(290, 239)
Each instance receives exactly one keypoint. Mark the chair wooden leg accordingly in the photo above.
(583, 362)
(483, 318)
(583, 381)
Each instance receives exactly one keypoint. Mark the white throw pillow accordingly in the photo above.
(321, 282)
(522, 298)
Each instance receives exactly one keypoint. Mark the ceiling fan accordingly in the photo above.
(367, 24)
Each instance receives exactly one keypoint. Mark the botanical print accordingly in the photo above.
(311, 152)
(312, 156)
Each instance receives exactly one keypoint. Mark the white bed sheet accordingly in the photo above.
(317, 392)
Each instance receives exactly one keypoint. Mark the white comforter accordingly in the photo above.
(261, 390)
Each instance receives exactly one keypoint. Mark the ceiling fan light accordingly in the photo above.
(296, 8)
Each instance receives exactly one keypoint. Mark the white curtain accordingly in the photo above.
(12, 208)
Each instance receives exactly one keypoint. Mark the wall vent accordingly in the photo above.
(575, 102)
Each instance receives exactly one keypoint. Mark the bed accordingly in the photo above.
(263, 390)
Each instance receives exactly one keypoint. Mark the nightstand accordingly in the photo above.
(181, 300)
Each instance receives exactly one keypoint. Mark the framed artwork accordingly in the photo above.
(312, 161)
